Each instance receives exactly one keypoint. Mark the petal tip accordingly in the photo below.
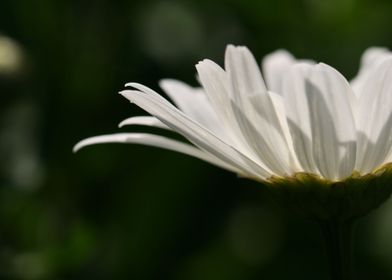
(122, 124)
(78, 147)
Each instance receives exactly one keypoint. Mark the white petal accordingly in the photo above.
(261, 113)
(143, 88)
(332, 122)
(156, 141)
(321, 119)
(265, 140)
(372, 55)
(143, 120)
(244, 73)
(375, 118)
(215, 82)
(371, 58)
(179, 92)
(194, 103)
(171, 116)
(274, 67)
(298, 116)
(283, 129)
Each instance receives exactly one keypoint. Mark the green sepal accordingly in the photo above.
(322, 199)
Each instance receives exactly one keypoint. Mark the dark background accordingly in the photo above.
(135, 212)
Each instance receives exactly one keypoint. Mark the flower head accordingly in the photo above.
(303, 120)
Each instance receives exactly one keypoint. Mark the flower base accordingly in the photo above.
(324, 200)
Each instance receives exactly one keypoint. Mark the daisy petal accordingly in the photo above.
(156, 141)
(201, 137)
(194, 103)
(309, 118)
(298, 115)
(274, 66)
(262, 111)
(265, 149)
(283, 129)
(375, 118)
(332, 122)
(244, 73)
(371, 58)
(143, 120)
(214, 80)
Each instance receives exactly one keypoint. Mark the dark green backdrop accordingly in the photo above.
(134, 212)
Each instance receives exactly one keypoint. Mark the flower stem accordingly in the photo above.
(337, 236)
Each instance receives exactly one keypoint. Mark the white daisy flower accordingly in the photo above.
(302, 124)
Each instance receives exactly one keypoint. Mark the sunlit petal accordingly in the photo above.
(307, 118)
(274, 67)
(143, 120)
(332, 122)
(243, 72)
(156, 141)
(298, 115)
(371, 58)
(375, 118)
(194, 103)
(201, 137)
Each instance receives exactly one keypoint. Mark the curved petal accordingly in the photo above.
(181, 93)
(371, 58)
(274, 66)
(317, 99)
(215, 83)
(240, 116)
(375, 118)
(201, 137)
(265, 140)
(194, 103)
(283, 129)
(298, 115)
(243, 72)
(261, 123)
(143, 120)
(332, 122)
(155, 141)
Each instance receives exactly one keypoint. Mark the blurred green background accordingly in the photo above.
(134, 212)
